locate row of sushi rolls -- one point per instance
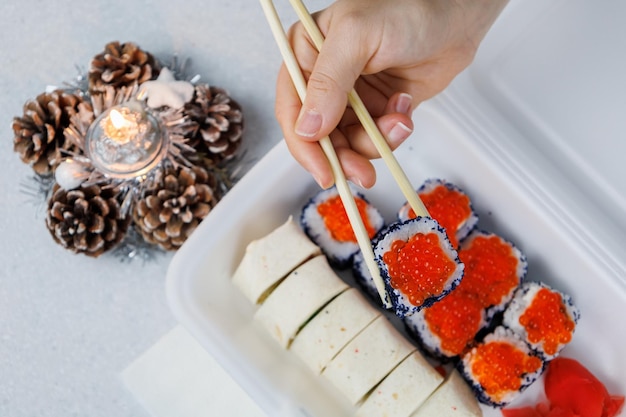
(470, 326)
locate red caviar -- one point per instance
(455, 320)
(336, 219)
(419, 267)
(500, 366)
(546, 320)
(449, 207)
(489, 264)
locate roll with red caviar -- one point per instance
(363, 277)
(448, 328)
(500, 367)
(417, 263)
(325, 221)
(449, 205)
(544, 317)
(494, 269)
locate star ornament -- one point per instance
(166, 91)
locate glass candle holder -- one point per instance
(125, 141)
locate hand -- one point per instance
(395, 53)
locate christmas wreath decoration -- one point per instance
(131, 150)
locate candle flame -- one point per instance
(118, 120)
(125, 141)
(120, 128)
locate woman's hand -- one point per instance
(395, 53)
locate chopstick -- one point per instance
(343, 188)
(366, 120)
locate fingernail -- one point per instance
(356, 181)
(319, 182)
(308, 123)
(398, 133)
(403, 105)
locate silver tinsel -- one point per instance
(37, 189)
(134, 248)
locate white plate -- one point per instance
(212, 309)
(510, 134)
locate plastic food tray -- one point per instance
(532, 131)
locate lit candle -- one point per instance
(121, 127)
(125, 141)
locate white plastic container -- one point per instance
(532, 131)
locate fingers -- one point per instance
(353, 145)
(312, 158)
(396, 128)
(356, 168)
(395, 124)
(400, 103)
(354, 154)
(309, 154)
(409, 46)
(331, 75)
(336, 68)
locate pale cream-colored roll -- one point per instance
(403, 390)
(367, 359)
(453, 398)
(298, 297)
(332, 328)
(269, 259)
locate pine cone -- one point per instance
(121, 65)
(86, 220)
(39, 136)
(174, 206)
(219, 122)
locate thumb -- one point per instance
(336, 69)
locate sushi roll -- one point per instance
(417, 263)
(325, 221)
(367, 359)
(321, 338)
(403, 390)
(447, 329)
(453, 398)
(363, 277)
(544, 317)
(297, 298)
(494, 269)
(500, 367)
(269, 259)
(447, 204)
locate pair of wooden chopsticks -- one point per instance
(369, 125)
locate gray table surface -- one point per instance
(70, 324)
